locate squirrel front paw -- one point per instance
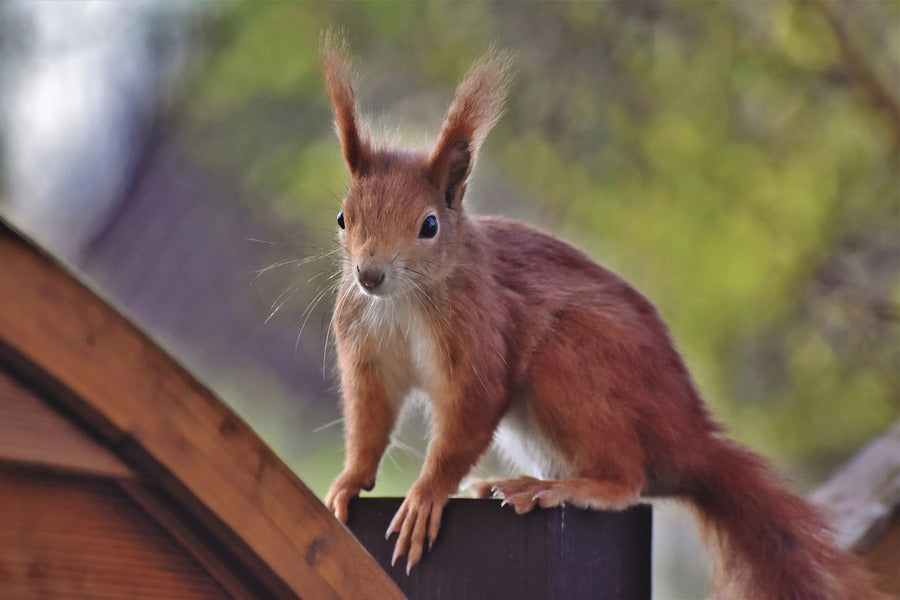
(418, 516)
(347, 486)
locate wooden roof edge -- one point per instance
(162, 420)
(863, 495)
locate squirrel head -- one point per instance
(400, 218)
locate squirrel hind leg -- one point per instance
(524, 493)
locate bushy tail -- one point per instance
(772, 545)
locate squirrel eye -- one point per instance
(429, 227)
(340, 219)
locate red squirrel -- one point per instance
(519, 338)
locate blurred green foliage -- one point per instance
(738, 162)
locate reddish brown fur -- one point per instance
(339, 83)
(507, 327)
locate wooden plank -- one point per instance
(488, 551)
(162, 419)
(210, 555)
(80, 537)
(861, 500)
(883, 557)
(861, 496)
(33, 433)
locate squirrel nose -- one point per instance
(370, 277)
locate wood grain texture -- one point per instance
(33, 433)
(488, 551)
(79, 537)
(160, 419)
(218, 561)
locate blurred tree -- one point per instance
(13, 37)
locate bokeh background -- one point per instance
(739, 162)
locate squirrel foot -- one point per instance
(524, 493)
(481, 488)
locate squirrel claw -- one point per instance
(525, 493)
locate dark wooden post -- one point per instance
(488, 551)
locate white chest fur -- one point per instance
(404, 342)
(520, 441)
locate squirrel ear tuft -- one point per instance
(478, 105)
(339, 83)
